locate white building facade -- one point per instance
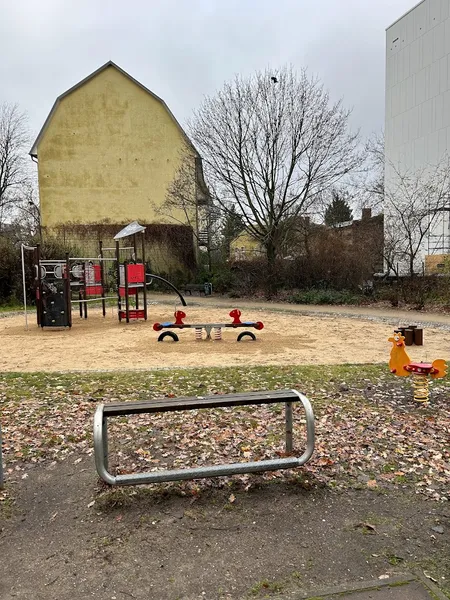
(417, 127)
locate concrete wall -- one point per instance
(417, 129)
(109, 153)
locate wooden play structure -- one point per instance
(207, 327)
(52, 291)
(131, 277)
(401, 365)
(121, 276)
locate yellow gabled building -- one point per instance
(108, 152)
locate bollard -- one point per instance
(418, 337)
(409, 337)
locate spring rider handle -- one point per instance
(179, 316)
(236, 313)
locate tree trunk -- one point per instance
(271, 280)
(411, 266)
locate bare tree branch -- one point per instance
(270, 148)
(14, 174)
(366, 186)
(413, 203)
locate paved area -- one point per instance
(350, 311)
(401, 588)
(411, 591)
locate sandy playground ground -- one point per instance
(287, 338)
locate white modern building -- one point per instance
(417, 128)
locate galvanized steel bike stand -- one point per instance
(101, 455)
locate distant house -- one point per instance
(108, 152)
(245, 247)
(364, 236)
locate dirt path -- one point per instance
(292, 335)
(365, 312)
(275, 539)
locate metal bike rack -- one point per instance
(103, 412)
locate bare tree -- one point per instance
(185, 193)
(27, 210)
(271, 143)
(374, 176)
(366, 186)
(189, 202)
(231, 227)
(14, 174)
(413, 204)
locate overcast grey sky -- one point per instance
(184, 49)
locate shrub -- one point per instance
(11, 287)
(10, 272)
(223, 280)
(325, 296)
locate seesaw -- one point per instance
(207, 327)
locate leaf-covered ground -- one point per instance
(369, 431)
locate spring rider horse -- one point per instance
(400, 364)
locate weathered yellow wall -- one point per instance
(169, 248)
(108, 154)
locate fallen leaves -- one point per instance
(382, 443)
(366, 527)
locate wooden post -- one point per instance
(67, 294)
(85, 291)
(127, 299)
(135, 247)
(37, 259)
(145, 276)
(136, 295)
(119, 303)
(102, 277)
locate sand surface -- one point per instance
(100, 343)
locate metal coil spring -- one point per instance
(198, 333)
(218, 333)
(420, 385)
